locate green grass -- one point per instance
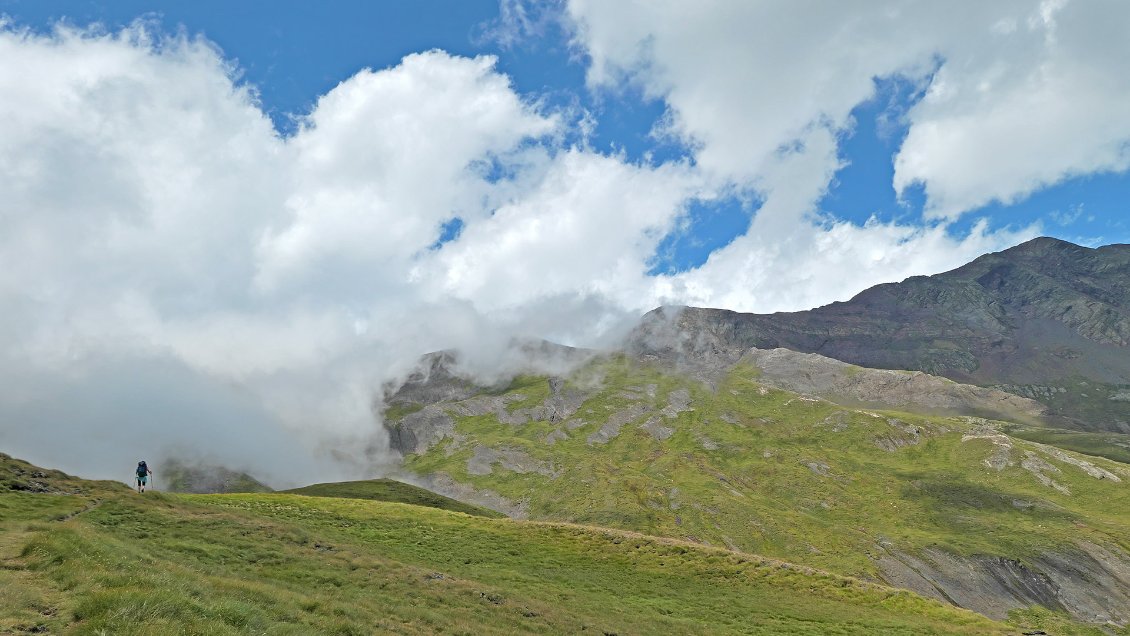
(769, 472)
(1114, 446)
(397, 411)
(290, 564)
(392, 490)
(1089, 401)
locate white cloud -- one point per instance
(589, 225)
(153, 219)
(1027, 93)
(1035, 106)
(159, 234)
(386, 157)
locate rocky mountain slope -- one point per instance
(1046, 320)
(751, 453)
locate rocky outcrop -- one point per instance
(654, 427)
(678, 401)
(1037, 459)
(434, 380)
(1088, 581)
(611, 427)
(483, 459)
(416, 432)
(419, 431)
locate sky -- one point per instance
(224, 227)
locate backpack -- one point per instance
(142, 469)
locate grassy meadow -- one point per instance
(98, 558)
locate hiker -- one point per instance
(143, 474)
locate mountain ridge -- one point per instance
(1048, 320)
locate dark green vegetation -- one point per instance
(394, 491)
(1113, 446)
(1047, 319)
(107, 560)
(761, 470)
(203, 478)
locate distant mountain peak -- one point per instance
(1042, 245)
(1046, 319)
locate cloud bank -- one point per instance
(178, 277)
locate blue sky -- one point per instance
(294, 52)
(283, 204)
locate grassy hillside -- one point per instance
(771, 472)
(106, 560)
(393, 491)
(1115, 446)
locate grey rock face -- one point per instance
(432, 382)
(611, 427)
(575, 424)
(562, 402)
(678, 401)
(419, 431)
(483, 459)
(818, 468)
(492, 405)
(1090, 582)
(656, 429)
(709, 444)
(558, 407)
(1041, 469)
(443, 484)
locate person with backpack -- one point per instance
(143, 474)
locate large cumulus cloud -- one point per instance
(179, 277)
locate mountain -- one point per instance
(796, 457)
(1046, 320)
(97, 558)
